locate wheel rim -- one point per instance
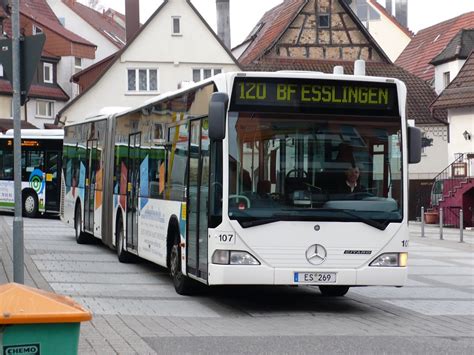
(78, 223)
(30, 204)
(174, 261)
(120, 240)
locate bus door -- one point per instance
(89, 193)
(133, 189)
(53, 175)
(197, 201)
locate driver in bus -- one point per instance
(351, 183)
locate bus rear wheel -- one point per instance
(182, 284)
(333, 291)
(30, 205)
(122, 255)
(81, 237)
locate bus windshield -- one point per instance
(315, 168)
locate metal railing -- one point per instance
(452, 178)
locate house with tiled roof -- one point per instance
(317, 35)
(429, 43)
(101, 28)
(458, 181)
(174, 47)
(387, 31)
(47, 94)
(451, 59)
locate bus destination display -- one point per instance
(327, 96)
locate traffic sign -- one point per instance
(31, 48)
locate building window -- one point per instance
(77, 64)
(44, 109)
(37, 30)
(142, 80)
(1, 71)
(176, 25)
(48, 73)
(204, 73)
(446, 79)
(323, 21)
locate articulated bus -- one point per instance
(41, 156)
(242, 180)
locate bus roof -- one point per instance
(37, 133)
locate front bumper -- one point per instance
(264, 275)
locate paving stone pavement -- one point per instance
(136, 310)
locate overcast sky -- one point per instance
(244, 14)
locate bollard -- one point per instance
(461, 226)
(441, 223)
(422, 222)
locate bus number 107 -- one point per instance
(225, 238)
(253, 91)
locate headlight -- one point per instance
(233, 257)
(391, 260)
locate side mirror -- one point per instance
(414, 145)
(217, 114)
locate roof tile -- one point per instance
(102, 22)
(270, 27)
(429, 42)
(460, 92)
(39, 91)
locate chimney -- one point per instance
(132, 17)
(223, 21)
(388, 6)
(401, 12)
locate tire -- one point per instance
(182, 284)
(122, 255)
(30, 205)
(81, 237)
(333, 291)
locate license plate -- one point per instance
(315, 277)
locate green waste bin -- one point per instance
(33, 321)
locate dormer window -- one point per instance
(37, 30)
(176, 20)
(48, 73)
(446, 79)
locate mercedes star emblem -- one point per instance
(316, 254)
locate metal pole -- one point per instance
(422, 221)
(441, 223)
(461, 226)
(18, 247)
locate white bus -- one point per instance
(242, 180)
(41, 151)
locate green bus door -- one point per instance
(89, 196)
(197, 201)
(133, 189)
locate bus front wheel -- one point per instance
(30, 205)
(333, 291)
(182, 284)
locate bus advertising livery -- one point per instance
(283, 178)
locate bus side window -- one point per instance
(6, 165)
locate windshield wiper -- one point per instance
(359, 218)
(258, 222)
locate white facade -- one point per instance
(174, 56)
(434, 158)
(461, 120)
(67, 68)
(74, 23)
(391, 38)
(452, 68)
(38, 118)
